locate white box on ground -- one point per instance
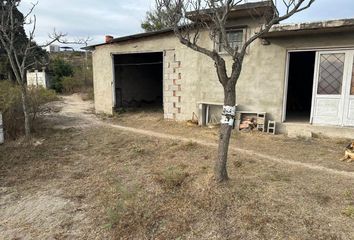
(1, 130)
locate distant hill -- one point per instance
(74, 58)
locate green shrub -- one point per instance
(71, 73)
(80, 81)
(72, 84)
(60, 69)
(11, 106)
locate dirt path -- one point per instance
(36, 202)
(72, 112)
(77, 113)
(257, 155)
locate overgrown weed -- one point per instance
(173, 177)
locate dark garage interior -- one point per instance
(138, 80)
(300, 86)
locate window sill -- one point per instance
(224, 54)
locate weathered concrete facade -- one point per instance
(190, 77)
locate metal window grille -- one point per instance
(331, 74)
(235, 38)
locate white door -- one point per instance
(348, 118)
(333, 102)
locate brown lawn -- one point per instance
(83, 179)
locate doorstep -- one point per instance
(294, 129)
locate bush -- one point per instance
(72, 84)
(39, 96)
(60, 69)
(80, 81)
(11, 106)
(69, 78)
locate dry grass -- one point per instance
(321, 151)
(173, 177)
(117, 185)
(349, 211)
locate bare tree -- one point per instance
(188, 18)
(21, 51)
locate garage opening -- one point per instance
(138, 80)
(300, 86)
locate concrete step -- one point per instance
(294, 132)
(307, 131)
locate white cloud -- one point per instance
(96, 18)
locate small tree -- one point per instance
(189, 18)
(155, 20)
(21, 50)
(60, 69)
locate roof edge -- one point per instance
(287, 28)
(130, 37)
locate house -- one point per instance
(299, 74)
(53, 48)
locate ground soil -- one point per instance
(136, 176)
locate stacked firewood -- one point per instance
(248, 122)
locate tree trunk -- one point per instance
(24, 98)
(220, 170)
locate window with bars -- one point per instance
(331, 74)
(235, 38)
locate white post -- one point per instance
(1, 130)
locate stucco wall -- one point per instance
(190, 77)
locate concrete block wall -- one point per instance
(172, 86)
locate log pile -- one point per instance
(248, 122)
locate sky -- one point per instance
(97, 18)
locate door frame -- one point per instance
(343, 94)
(286, 83)
(113, 82)
(287, 68)
(347, 94)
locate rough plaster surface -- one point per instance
(260, 87)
